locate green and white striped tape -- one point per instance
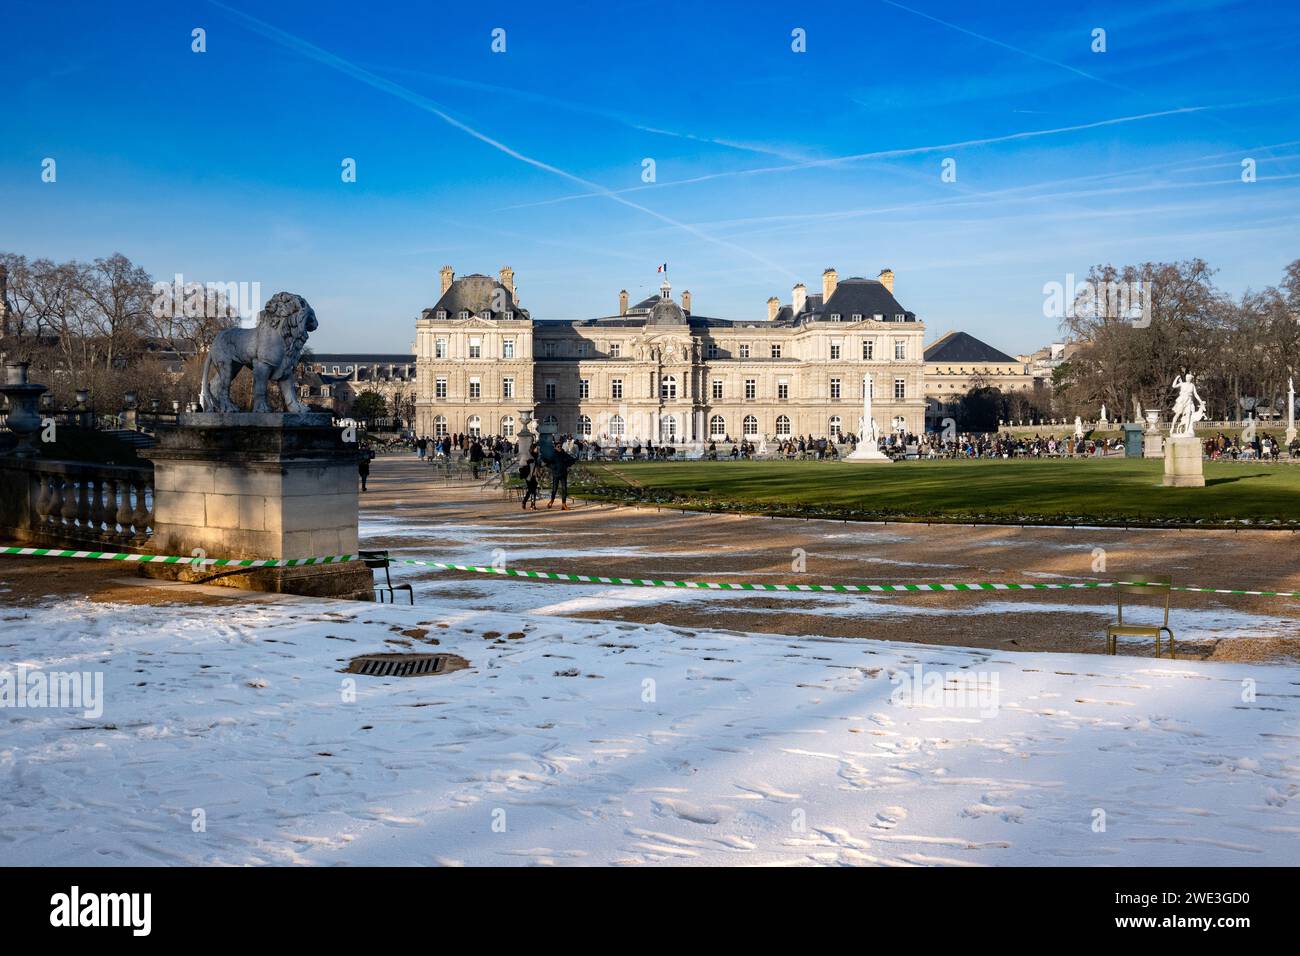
(982, 586)
(177, 559)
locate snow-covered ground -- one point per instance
(587, 742)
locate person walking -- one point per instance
(363, 464)
(560, 466)
(528, 472)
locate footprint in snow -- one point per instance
(889, 817)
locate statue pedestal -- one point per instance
(1153, 445)
(1183, 463)
(244, 485)
(868, 454)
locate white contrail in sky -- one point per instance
(887, 153)
(422, 102)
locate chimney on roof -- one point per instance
(773, 307)
(686, 301)
(447, 275)
(830, 278)
(507, 277)
(622, 301)
(886, 278)
(799, 298)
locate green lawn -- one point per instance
(1116, 491)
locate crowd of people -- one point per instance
(497, 454)
(1259, 447)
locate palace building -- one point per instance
(657, 370)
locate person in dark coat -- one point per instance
(476, 457)
(363, 464)
(560, 462)
(528, 472)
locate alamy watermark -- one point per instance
(1127, 301)
(962, 689)
(77, 690)
(205, 300)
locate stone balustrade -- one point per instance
(79, 504)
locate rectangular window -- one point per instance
(751, 389)
(713, 350)
(582, 349)
(744, 351)
(616, 388)
(507, 388)
(507, 348)
(835, 351)
(717, 389)
(900, 389)
(475, 347)
(440, 349)
(835, 388)
(614, 349)
(440, 388)
(776, 350)
(584, 388)
(548, 349)
(900, 349)
(868, 349)
(783, 390)
(550, 391)
(475, 388)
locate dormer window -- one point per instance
(463, 314)
(485, 314)
(442, 313)
(835, 316)
(857, 316)
(898, 317)
(509, 315)
(878, 317)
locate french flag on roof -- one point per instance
(663, 268)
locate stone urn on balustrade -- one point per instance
(23, 420)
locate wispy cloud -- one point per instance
(880, 154)
(586, 109)
(422, 102)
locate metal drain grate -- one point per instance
(398, 665)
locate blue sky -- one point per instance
(770, 165)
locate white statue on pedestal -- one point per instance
(1189, 408)
(1078, 427)
(868, 434)
(1290, 410)
(1103, 414)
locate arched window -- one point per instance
(508, 426)
(584, 425)
(717, 426)
(475, 426)
(668, 387)
(751, 426)
(440, 426)
(782, 425)
(668, 428)
(550, 421)
(837, 426)
(616, 426)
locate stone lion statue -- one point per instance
(271, 350)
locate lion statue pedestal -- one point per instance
(259, 484)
